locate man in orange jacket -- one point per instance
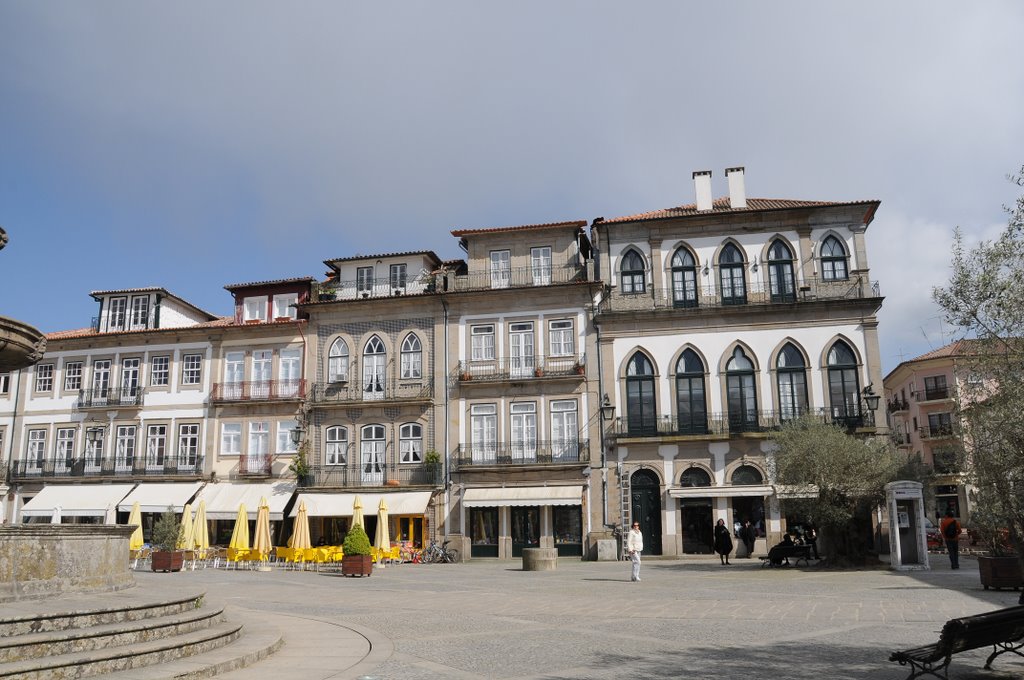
(950, 530)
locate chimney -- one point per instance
(702, 184)
(737, 192)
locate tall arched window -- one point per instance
(747, 475)
(336, 452)
(833, 260)
(412, 357)
(843, 385)
(640, 402)
(684, 279)
(695, 476)
(632, 277)
(742, 393)
(691, 405)
(371, 454)
(780, 272)
(730, 276)
(337, 361)
(411, 442)
(791, 375)
(374, 369)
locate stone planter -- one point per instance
(356, 565)
(165, 560)
(1000, 572)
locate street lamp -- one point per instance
(94, 435)
(607, 408)
(297, 434)
(870, 398)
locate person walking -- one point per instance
(950, 530)
(634, 546)
(723, 541)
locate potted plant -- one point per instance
(300, 466)
(465, 375)
(538, 372)
(166, 532)
(432, 462)
(357, 560)
(580, 368)
(999, 566)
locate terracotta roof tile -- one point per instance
(92, 332)
(526, 227)
(958, 348)
(431, 253)
(300, 279)
(721, 205)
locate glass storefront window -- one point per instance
(483, 531)
(748, 507)
(568, 521)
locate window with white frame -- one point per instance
(160, 372)
(833, 260)
(44, 378)
(501, 268)
(124, 456)
(100, 378)
(73, 376)
(540, 265)
(285, 444)
(262, 365)
(254, 308)
(564, 430)
(231, 439)
(364, 279)
(131, 370)
(192, 369)
(561, 342)
(398, 276)
(524, 431)
(36, 453)
(188, 445)
(65, 452)
(372, 444)
(289, 372)
(259, 438)
(140, 311)
(234, 375)
(118, 314)
(482, 341)
(283, 305)
(94, 449)
(156, 446)
(5, 383)
(337, 445)
(483, 432)
(412, 357)
(337, 361)
(411, 443)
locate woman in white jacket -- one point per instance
(634, 546)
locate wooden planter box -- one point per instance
(167, 560)
(1000, 572)
(356, 565)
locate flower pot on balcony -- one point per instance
(392, 482)
(1000, 572)
(167, 560)
(580, 369)
(356, 565)
(465, 375)
(538, 372)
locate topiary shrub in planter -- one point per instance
(357, 560)
(166, 532)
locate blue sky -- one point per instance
(191, 145)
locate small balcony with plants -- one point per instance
(373, 475)
(518, 369)
(525, 454)
(342, 392)
(109, 397)
(119, 467)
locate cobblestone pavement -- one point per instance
(688, 618)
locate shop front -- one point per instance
(75, 504)
(503, 521)
(330, 515)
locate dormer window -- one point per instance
(398, 277)
(254, 309)
(118, 314)
(283, 305)
(140, 311)
(364, 280)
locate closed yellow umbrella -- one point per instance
(357, 511)
(261, 540)
(135, 519)
(185, 536)
(383, 531)
(200, 530)
(300, 535)
(240, 534)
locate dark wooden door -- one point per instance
(646, 508)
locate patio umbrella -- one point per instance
(383, 533)
(55, 518)
(135, 519)
(357, 511)
(200, 529)
(185, 535)
(240, 534)
(261, 540)
(300, 534)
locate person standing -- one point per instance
(723, 541)
(811, 538)
(950, 530)
(634, 546)
(747, 536)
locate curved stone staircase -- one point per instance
(129, 636)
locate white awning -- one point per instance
(759, 490)
(340, 504)
(223, 499)
(159, 497)
(522, 495)
(796, 491)
(77, 500)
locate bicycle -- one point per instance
(439, 554)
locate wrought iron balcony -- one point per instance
(373, 475)
(941, 432)
(384, 287)
(522, 453)
(128, 467)
(753, 293)
(934, 394)
(521, 368)
(255, 465)
(258, 390)
(717, 425)
(519, 277)
(359, 391)
(897, 405)
(900, 439)
(109, 397)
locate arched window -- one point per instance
(843, 386)
(337, 361)
(412, 357)
(746, 475)
(791, 375)
(374, 369)
(632, 276)
(411, 443)
(640, 402)
(833, 260)
(780, 272)
(371, 454)
(742, 393)
(695, 477)
(684, 279)
(336, 452)
(691, 405)
(730, 276)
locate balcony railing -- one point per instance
(255, 465)
(357, 391)
(934, 394)
(897, 405)
(522, 453)
(942, 432)
(900, 438)
(258, 390)
(337, 291)
(724, 424)
(520, 368)
(519, 277)
(754, 293)
(373, 475)
(189, 466)
(109, 398)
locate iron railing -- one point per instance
(724, 424)
(381, 287)
(519, 277)
(188, 466)
(897, 405)
(941, 432)
(372, 475)
(491, 370)
(900, 438)
(109, 397)
(258, 390)
(933, 394)
(255, 465)
(522, 453)
(357, 391)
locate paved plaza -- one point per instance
(688, 618)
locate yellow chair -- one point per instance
(395, 554)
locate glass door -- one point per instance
(100, 382)
(261, 374)
(372, 453)
(129, 380)
(521, 350)
(374, 363)
(524, 432)
(525, 529)
(234, 374)
(501, 268)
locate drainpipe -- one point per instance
(447, 460)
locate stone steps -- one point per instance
(42, 617)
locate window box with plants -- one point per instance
(357, 560)
(166, 532)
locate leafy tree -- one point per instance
(841, 478)
(985, 299)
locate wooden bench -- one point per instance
(1003, 629)
(780, 555)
